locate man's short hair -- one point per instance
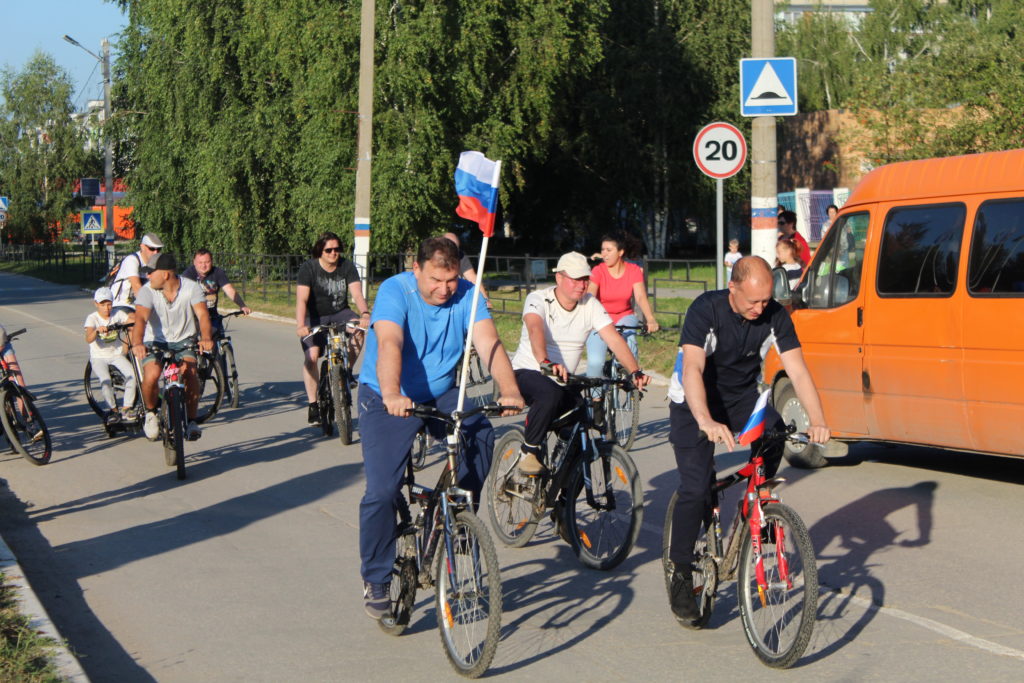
(440, 251)
(788, 216)
(749, 266)
(202, 251)
(318, 248)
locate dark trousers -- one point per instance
(547, 400)
(695, 462)
(386, 441)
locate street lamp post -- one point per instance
(108, 145)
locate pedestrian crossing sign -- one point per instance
(92, 222)
(768, 87)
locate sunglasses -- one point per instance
(332, 250)
(155, 248)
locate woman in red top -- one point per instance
(617, 283)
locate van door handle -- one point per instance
(860, 316)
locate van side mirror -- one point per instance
(780, 286)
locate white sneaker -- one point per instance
(151, 427)
(193, 432)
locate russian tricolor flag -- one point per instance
(476, 183)
(755, 425)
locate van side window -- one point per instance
(833, 278)
(921, 250)
(995, 266)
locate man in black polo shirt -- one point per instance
(725, 336)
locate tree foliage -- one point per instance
(41, 149)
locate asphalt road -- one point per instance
(248, 570)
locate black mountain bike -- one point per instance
(334, 389)
(131, 420)
(173, 411)
(768, 551)
(226, 359)
(445, 545)
(590, 485)
(23, 424)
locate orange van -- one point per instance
(911, 313)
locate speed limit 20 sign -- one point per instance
(720, 150)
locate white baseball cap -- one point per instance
(573, 264)
(152, 241)
(103, 294)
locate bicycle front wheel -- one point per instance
(174, 430)
(230, 373)
(623, 414)
(604, 508)
(324, 402)
(705, 569)
(24, 425)
(510, 494)
(778, 620)
(211, 388)
(342, 400)
(468, 595)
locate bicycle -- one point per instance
(590, 485)
(210, 375)
(447, 546)
(173, 410)
(130, 420)
(770, 554)
(621, 406)
(226, 356)
(24, 427)
(334, 389)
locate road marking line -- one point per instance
(18, 311)
(932, 625)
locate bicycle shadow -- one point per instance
(846, 542)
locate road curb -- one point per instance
(39, 621)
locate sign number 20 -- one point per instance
(720, 150)
(729, 149)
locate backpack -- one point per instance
(111, 278)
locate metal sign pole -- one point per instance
(720, 235)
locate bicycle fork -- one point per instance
(755, 509)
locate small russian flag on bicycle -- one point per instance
(476, 183)
(754, 428)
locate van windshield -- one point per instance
(834, 276)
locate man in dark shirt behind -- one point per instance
(725, 336)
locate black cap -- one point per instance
(160, 262)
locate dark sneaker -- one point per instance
(377, 599)
(112, 418)
(313, 414)
(599, 414)
(684, 606)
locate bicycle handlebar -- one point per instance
(12, 335)
(492, 409)
(584, 382)
(348, 327)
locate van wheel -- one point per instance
(789, 407)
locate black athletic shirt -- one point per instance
(734, 345)
(328, 292)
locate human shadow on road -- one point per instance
(848, 542)
(100, 654)
(650, 434)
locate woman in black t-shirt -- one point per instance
(321, 296)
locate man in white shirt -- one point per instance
(130, 277)
(166, 311)
(556, 323)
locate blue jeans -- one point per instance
(596, 348)
(386, 441)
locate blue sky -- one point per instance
(30, 25)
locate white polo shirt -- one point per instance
(565, 332)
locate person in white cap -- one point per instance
(556, 323)
(130, 276)
(105, 349)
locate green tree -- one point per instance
(42, 150)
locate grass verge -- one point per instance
(24, 654)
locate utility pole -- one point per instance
(108, 155)
(364, 144)
(763, 172)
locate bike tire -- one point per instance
(419, 451)
(211, 388)
(404, 575)
(174, 430)
(25, 429)
(603, 538)
(93, 393)
(323, 399)
(342, 400)
(230, 373)
(511, 496)
(705, 570)
(779, 628)
(468, 595)
(622, 409)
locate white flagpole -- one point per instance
(476, 301)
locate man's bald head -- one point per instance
(751, 267)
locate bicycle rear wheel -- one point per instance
(404, 577)
(510, 495)
(705, 570)
(468, 595)
(93, 393)
(778, 621)
(211, 387)
(623, 413)
(603, 523)
(230, 373)
(342, 400)
(24, 425)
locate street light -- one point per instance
(108, 154)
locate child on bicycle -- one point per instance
(105, 349)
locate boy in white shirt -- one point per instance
(105, 349)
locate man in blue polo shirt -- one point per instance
(419, 326)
